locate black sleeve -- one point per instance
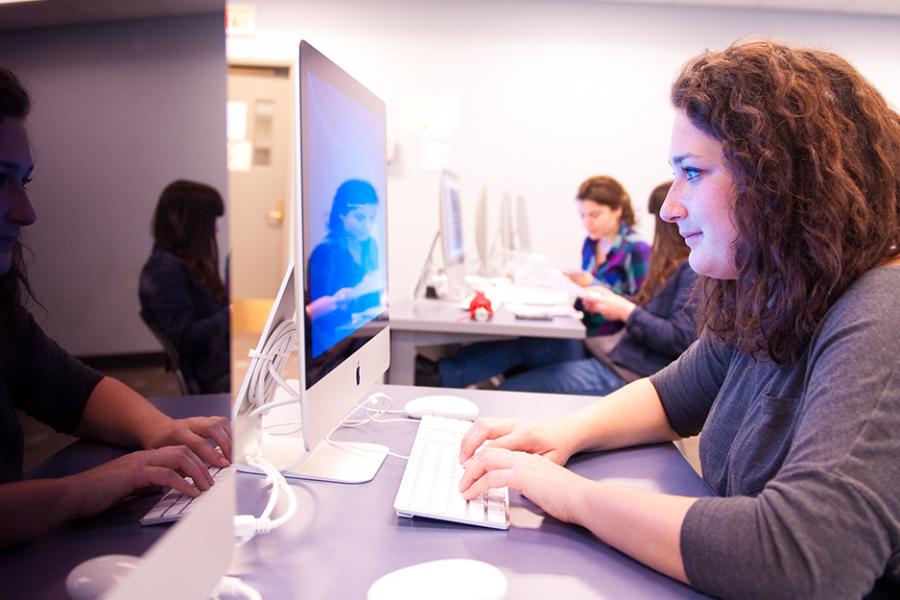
(46, 382)
(166, 296)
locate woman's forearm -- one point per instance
(645, 525)
(117, 414)
(629, 416)
(31, 508)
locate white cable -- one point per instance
(232, 586)
(372, 412)
(266, 365)
(246, 526)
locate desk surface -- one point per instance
(447, 317)
(38, 569)
(344, 537)
(435, 323)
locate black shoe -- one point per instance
(427, 372)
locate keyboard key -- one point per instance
(174, 504)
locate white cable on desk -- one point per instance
(246, 526)
(372, 412)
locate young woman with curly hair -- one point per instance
(787, 166)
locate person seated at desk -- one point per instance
(40, 378)
(787, 191)
(612, 256)
(182, 296)
(659, 324)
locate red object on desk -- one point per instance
(480, 308)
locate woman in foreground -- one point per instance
(787, 165)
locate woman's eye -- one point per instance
(26, 180)
(691, 174)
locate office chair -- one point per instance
(187, 384)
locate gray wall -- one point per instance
(120, 110)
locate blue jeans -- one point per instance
(586, 376)
(481, 361)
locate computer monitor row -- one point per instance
(513, 233)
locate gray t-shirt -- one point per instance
(806, 458)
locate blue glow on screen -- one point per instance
(345, 229)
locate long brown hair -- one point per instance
(814, 151)
(184, 224)
(605, 190)
(14, 286)
(669, 250)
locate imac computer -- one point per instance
(338, 282)
(450, 282)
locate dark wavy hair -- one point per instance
(185, 224)
(669, 250)
(14, 286)
(814, 151)
(605, 190)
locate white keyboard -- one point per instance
(174, 504)
(430, 484)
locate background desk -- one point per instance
(430, 323)
(344, 537)
(38, 569)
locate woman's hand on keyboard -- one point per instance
(544, 438)
(193, 432)
(544, 482)
(99, 488)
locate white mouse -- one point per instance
(453, 407)
(452, 578)
(96, 576)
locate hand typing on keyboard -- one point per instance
(103, 486)
(193, 433)
(430, 483)
(527, 457)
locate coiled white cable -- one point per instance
(266, 367)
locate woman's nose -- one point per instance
(21, 211)
(672, 209)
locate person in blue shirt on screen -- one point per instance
(40, 378)
(345, 281)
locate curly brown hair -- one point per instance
(669, 250)
(814, 151)
(605, 190)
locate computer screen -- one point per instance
(481, 233)
(451, 220)
(451, 234)
(340, 255)
(522, 238)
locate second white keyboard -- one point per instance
(430, 484)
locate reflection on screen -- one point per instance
(345, 228)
